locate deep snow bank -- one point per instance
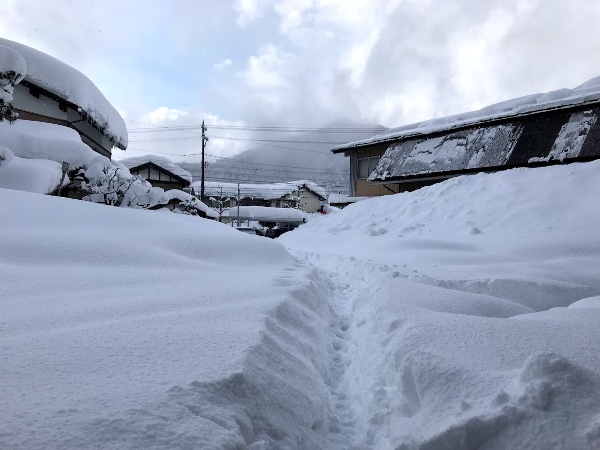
(456, 297)
(125, 328)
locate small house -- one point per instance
(159, 171)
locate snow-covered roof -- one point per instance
(160, 161)
(266, 214)
(341, 198)
(265, 191)
(190, 199)
(68, 83)
(494, 146)
(40, 140)
(588, 92)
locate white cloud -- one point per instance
(249, 10)
(223, 64)
(163, 114)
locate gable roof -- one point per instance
(159, 162)
(57, 79)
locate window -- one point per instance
(154, 174)
(366, 166)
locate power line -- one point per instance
(235, 161)
(284, 141)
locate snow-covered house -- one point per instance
(56, 93)
(159, 171)
(302, 194)
(537, 130)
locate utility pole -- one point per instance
(238, 205)
(204, 141)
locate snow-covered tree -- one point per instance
(112, 185)
(12, 70)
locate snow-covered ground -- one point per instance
(463, 315)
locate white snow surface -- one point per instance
(265, 191)
(588, 92)
(40, 176)
(189, 200)
(457, 331)
(463, 315)
(40, 140)
(161, 161)
(63, 80)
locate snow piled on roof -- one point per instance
(11, 61)
(342, 198)
(588, 92)
(266, 214)
(63, 80)
(265, 191)
(161, 161)
(453, 300)
(40, 140)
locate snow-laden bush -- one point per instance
(6, 156)
(12, 70)
(113, 185)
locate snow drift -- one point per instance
(456, 302)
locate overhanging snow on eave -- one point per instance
(85, 116)
(346, 148)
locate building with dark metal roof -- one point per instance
(537, 130)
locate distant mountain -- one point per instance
(303, 156)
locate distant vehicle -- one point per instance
(248, 230)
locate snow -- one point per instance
(265, 191)
(125, 328)
(40, 140)
(341, 198)
(470, 311)
(160, 161)
(588, 92)
(10, 61)
(63, 80)
(32, 175)
(266, 214)
(188, 200)
(462, 315)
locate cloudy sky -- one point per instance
(308, 63)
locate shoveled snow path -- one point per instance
(346, 280)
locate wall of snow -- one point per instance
(39, 140)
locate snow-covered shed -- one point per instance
(537, 130)
(306, 195)
(159, 171)
(55, 92)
